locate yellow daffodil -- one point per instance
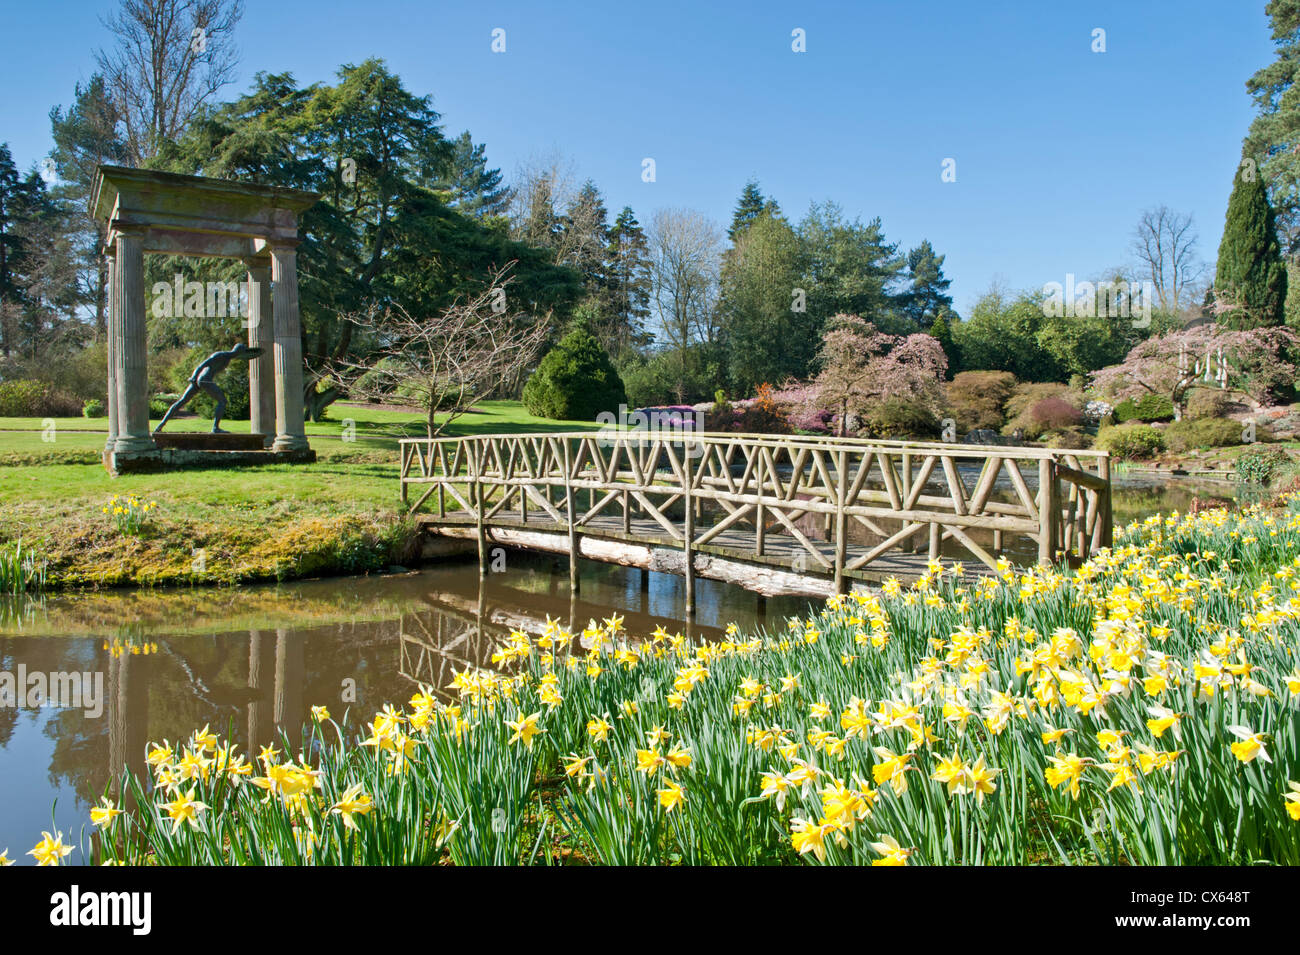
(893, 853)
(353, 802)
(671, 796)
(104, 814)
(184, 808)
(50, 850)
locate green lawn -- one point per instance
(341, 514)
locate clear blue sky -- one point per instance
(1058, 149)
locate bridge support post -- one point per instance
(568, 516)
(841, 520)
(480, 526)
(1103, 506)
(1047, 510)
(689, 533)
(908, 546)
(935, 537)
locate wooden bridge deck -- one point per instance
(778, 515)
(781, 551)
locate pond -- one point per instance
(141, 666)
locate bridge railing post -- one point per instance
(1048, 510)
(1104, 514)
(480, 524)
(406, 450)
(568, 517)
(689, 533)
(841, 520)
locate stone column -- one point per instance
(289, 432)
(114, 316)
(130, 349)
(261, 334)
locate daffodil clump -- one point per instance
(1143, 709)
(128, 513)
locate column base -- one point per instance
(290, 442)
(177, 459)
(133, 444)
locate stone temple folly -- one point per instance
(168, 214)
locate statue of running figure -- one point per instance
(203, 379)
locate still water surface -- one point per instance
(245, 661)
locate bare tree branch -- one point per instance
(1165, 243)
(171, 58)
(446, 362)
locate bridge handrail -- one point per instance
(954, 448)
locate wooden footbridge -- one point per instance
(775, 514)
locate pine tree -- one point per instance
(628, 271)
(849, 267)
(750, 206)
(586, 239)
(473, 188)
(19, 201)
(927, 296)
(1250, 280)
(1271, 144)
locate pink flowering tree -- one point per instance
(1254, 363)
(861, 365)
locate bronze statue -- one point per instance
(203, 379)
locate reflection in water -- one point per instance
(248, 662)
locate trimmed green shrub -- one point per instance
(1203, 433)
(576, 381)
(94, 408)
(27, 398)
(900, 418)
(1261, 465)
(1131, 441)
(1147, 408)
(1207, 403)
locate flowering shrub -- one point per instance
(1096, 410)
(1254, 362)
(762, 414)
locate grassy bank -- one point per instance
(341, 515)
(1140, 711)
